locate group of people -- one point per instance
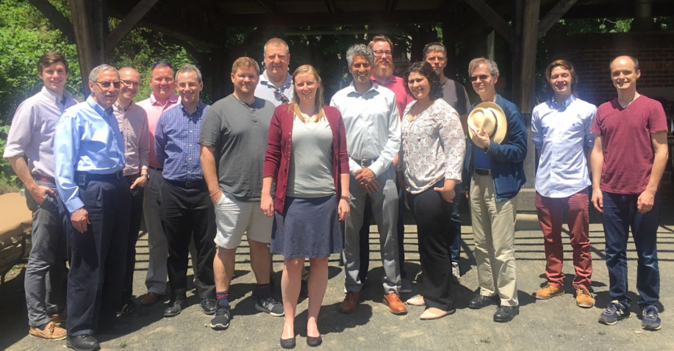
(303, 179)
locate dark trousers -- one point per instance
(134, 227)
(187, 212)
(620, 213)
(433, 216)
(455, 224)
(365, 238)
(98, 256)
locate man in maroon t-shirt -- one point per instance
(628, 159)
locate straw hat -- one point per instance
(489, 116)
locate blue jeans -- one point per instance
(455, 224)
(620, 212)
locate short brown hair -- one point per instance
(567, 66)
(377, 38)
(50, 58)
(245, 62)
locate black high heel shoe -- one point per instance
(288, 343)
(314, 341)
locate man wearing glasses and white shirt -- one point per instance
(276, 85)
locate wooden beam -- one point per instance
(128, 23)
(529, 40)
(340, 18)
(553, 16)
(84, 37)
(330, 4)
(56, 18)
(268, 5)
(494, 19)
(391, 5)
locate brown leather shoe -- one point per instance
(50, 332)
(584, 298)
(59, 317)
(149, 299)
(350, 301)
(548, 292)
(393, 302)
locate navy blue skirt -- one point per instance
(309, 228)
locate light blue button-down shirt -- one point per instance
(562, 133)
(87, 139)
(372, 125)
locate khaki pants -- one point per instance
(494, 234)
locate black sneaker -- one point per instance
(651, 318)
(506, 313)
(614, 312)
(221, 318)
(271, 306)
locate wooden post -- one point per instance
(89, 56)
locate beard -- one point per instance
(383, 71)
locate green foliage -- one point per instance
(596, 25)
(8, 180)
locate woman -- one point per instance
(431, 157)
(307, 157)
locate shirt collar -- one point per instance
(98, 108)
(372, 87)
(264, 80)
(118, 107)
(197, 112)
(53, 96)
(565, 103)
(171, 100)
(389, 80)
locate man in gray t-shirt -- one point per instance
(233, 140)
(455, 95)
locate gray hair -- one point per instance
(93, 75)
(188, 67)
(276, 42)
(359, 50)
(435, 47)
(491, 65)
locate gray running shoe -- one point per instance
(221, 317)
(271, 306)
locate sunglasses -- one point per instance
(162, 63)
(105, 85)
(280, 97)
(482, 78)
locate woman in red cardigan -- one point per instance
(307, 157)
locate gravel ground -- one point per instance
(555, 324)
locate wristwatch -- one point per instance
(147, 176)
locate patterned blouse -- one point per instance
(433, 146)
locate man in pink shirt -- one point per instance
(162, 98)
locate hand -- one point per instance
(598, 200)
(467, 197)
(140, 181)
(343, 209)
(267, 205)
(447, 193)
(407, 204)
(367, 179)
(645, 201)
(216, 197)
(481, 137)
(39, 193)
(80, 218)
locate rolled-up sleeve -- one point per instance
(66, 151)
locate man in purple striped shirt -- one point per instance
(32, 135)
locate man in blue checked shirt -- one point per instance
(561, 134)
(89, 159)
(185, 206)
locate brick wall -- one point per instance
(591, 54)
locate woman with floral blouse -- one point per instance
(431, 157)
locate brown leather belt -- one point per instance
(45, 179)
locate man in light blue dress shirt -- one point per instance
(89, 158)
(560, 130)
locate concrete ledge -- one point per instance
(15, 227)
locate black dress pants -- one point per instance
(433, 216)
(187, 212)
(98, 256)
(134, 227)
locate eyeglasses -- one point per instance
(130, 84)
(162, 63)
(482, 78)
(382, 53)
(105, 85)
(280, 97)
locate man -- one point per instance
(561, 134)
(382, 74)
(132, 121)
(162, 99)
(275, 85)
(372, 125)
(89, 157)
(32, 135)
(498, 174)
(185, 208)
(631, 130)
(235, 133)
(455, 95)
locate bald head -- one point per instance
(130, 79)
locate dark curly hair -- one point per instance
(425, 69)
